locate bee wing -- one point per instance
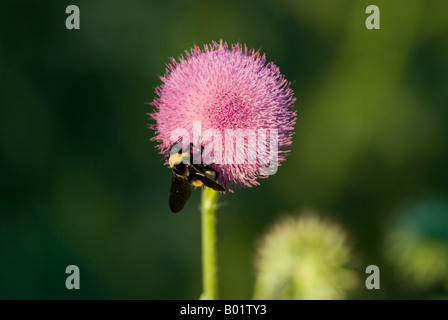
(210, 183)
(180, 192)
(207, 181)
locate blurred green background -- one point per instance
(82, 184)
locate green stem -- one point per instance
(209, 268)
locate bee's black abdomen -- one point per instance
(180, 168)
(180, 192)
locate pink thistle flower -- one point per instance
(224, 89)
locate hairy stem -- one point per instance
(209, 268)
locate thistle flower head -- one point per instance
(304, 257)
(417, 243)
(230, 100)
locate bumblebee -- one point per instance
(185, 175)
